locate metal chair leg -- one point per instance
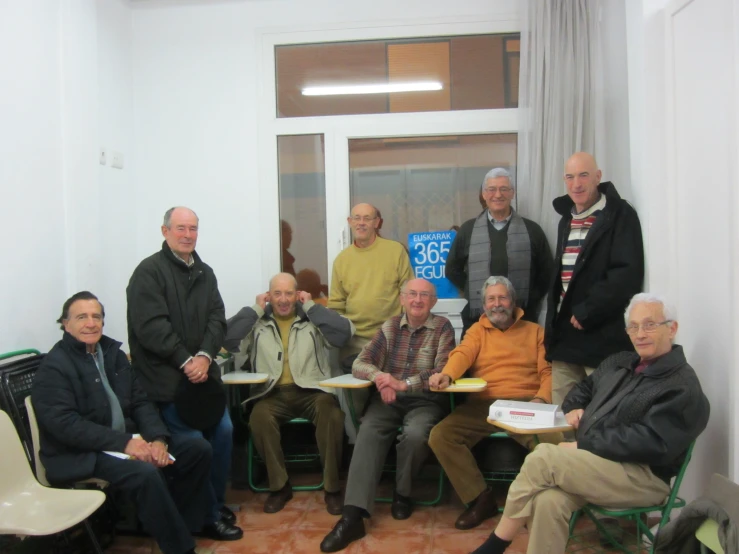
(93, 539)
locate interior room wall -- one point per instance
(682, 62)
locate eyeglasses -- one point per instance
(649, 326)
(494, 190)
(365, 219)
(412, 294)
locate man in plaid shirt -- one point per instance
(401, 357)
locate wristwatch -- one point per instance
(408, 383)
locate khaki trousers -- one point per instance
(565, 376)
(280, 406)
(453, 438)
(555, 481)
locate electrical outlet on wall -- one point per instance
(103, 157)
(116, 160)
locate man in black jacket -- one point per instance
(176, 326)
(599, 264)
(91, 411)
(500, 242)
(635, 416)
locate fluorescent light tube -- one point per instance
(418, 86)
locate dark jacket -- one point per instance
(608, 272)
(650, 418)
(719, 503)
(541, 266)
(73, 410)
(174, 312)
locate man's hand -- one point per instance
(573, 418)
(196, 369)
(139, 449)
(160, 456)
(439, 381)
(383, 380)
(388, 395)
(303, 296)
(262, 300)
(576, 323)
(538, 401)
(568, 445)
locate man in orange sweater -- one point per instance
(508, 353)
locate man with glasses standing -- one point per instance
(366, 278)
(500, 242)
(599, 266)
(400, 359)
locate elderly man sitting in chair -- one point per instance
(89, 405)
(635, 416)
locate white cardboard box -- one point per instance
(511, 411)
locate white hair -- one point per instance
(650, 298)
(499, 280)
(495, 173)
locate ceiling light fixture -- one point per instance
(419, 86)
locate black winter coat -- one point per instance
(174, 312)
(608, 272)
(73, 410)
(650, 418)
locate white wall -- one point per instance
(682, 85)
(70, 63)
(34, 274)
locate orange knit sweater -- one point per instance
(511, 361)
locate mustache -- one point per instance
(499, 310)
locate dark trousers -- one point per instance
(172, 502)
(280, 406)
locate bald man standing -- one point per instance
(599, 267)
(366, 278)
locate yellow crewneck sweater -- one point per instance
(365, 284)
(284, 324)
(511, 361)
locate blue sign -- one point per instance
(428, 258)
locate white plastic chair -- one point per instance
(30, 509)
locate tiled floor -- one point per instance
(301, 526)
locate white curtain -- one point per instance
(560, 100)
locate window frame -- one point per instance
(339, 129)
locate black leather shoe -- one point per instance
(227, 515)
(277, 499)
(343, 534)
(482, 508)
(402, 506)
(221, 531)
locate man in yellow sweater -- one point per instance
(508, 353)
(366, 278)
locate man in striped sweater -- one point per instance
(599, 266)
(402, 356)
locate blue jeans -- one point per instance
(220, 437)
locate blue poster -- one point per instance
(428, 258)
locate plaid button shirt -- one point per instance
(406, 353)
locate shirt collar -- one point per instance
(491, 219)
(430, 322)
(188, 264)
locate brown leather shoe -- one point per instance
(482, 508)
(277, 499)
(334, 502)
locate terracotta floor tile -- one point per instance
(421, 520)
(308, 541)
(395, 542)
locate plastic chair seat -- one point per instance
(32, 509)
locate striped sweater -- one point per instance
(579, 228)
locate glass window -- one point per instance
(403, 75)
(426, 183)
(302, 189)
